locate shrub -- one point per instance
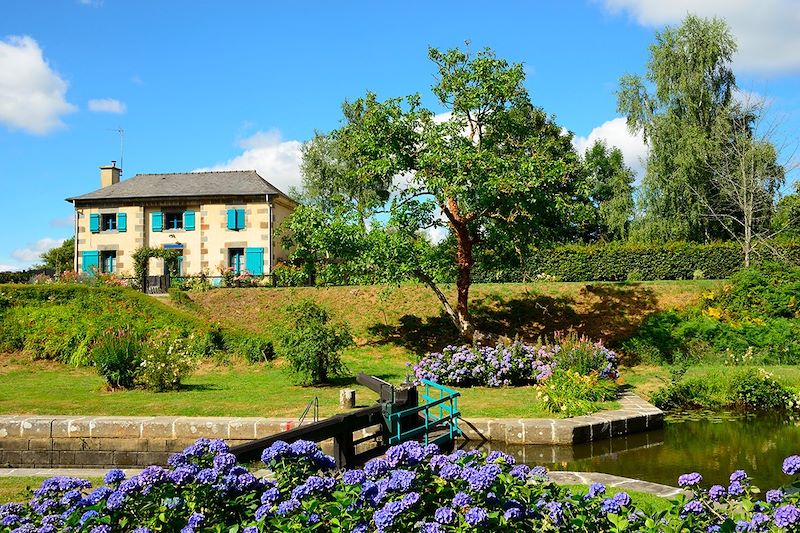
(289, 276)
(414, 488)
(689, 393)
(756, 389)
(166, 362)
(570, 393)
(255, 349)
(515, 364)
(754, 318)
(312, 343)
(117, 357)
(579, 353)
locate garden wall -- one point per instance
(69, 441)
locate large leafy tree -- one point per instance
(492, 159)
(59, 258)
(611, 192)
(677, 105)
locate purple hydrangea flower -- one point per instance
(774, 496)
(476, 516)
(690, 480)
(114, 476)
(354, 477)
(716, 492)
(735, 489)
(739, 475)
(786, 516)
(693, 507)
(622, 499)
(791, 465)
(461, 499)
(595, 490)
(444, 515)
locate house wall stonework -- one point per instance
(205, 249)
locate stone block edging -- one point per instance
(634, 415)
(65, 441)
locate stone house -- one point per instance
(214, 219)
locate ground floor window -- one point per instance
(108, 262)
(236, 259)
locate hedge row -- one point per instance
(618, 262)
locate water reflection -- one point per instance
(714, 444)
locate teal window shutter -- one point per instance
(94, 223)
(231, 218)
(240, 219)
(90, 261)
(254, 261)
(188, 220)
(158, 221)
(122, 222)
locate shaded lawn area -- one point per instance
(47, 388)
(649, 503)
(18, 489)
(411, 316)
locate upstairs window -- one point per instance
(236, 219)
(173, 220)
(108, 221)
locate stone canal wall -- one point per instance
(67, 441)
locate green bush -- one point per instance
(581, 354)
(255, 349)
(689, 393)
(117, 357)
(312, 344)
(571, 394)
(166, 362)
(756, 389)
(753, 319)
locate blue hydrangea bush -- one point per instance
(412, 488)
(517, 363)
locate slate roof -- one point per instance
(185, 184)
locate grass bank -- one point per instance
(43, 387)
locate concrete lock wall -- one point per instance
(50, 441)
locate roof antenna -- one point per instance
(121, 133)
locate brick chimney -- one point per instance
(109, 175)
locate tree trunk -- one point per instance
(464, 262)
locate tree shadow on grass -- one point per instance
(527, 317)
(199, 387)
(608, 312)
(616, 311)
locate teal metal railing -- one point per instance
(438, 412)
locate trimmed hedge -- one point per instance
(618, 262)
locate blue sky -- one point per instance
(201, 84)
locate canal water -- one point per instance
(714, 444)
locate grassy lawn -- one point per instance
(411, 316)
(649, 503)
(392, 326)
(17, 489)
(38, 387)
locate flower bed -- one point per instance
(517, 363)
(413, 488)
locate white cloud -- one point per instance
(32, 252)
(766, 30)
(106, 105)
(276, 160)
(63, 222)
(32, 95)
(615, 133)
(9, 268)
